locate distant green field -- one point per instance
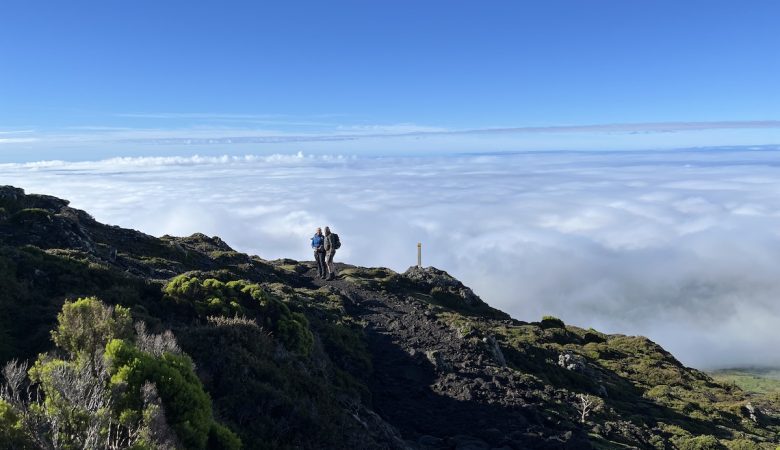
(761, 381)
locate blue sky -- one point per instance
(673, 108)
(83, 79)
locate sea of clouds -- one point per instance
(681, 246)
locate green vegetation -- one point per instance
(212, 296)
(30, 216)
(37, 283)
(552, 322)
(86, 325)
(12, 433)
(636, 379)
(115, 389)
(759, 381)
(258, 342)
(187, 406)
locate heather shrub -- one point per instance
(742, 444)
(221, 438)
(87, 325)
(552, 322)
(292, 404)
(214, 297)
(187, 406)
(12, 433)
(291, 328)
(704, 442)
(30, 215)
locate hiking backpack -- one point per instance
(335, 241)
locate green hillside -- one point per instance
(186, 343)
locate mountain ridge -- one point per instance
(403, 360)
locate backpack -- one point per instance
(335, 241)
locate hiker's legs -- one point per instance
(320, 258)
(331, 266)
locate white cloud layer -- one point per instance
(681, 246)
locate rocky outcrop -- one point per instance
(440, 282)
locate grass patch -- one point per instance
(756, 380)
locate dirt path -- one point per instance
(439, 389)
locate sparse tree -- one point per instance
(155, 344)
(586, 404)
(15, 374)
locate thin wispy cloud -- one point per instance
(680, 246)
(650, 127)
(194, 115)
(10, 137)
(346, 132)
(205, 134)
(206, 116)
(17, 140)
(392, 129)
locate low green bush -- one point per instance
(742, 444)
(552, 322)
(30, 215)
(86, 325)
(12, 435)
(704, 442)
(239, 297)
(187, 406)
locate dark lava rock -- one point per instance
(435, 278)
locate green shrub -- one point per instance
(704, 442)
(445, 297)
(552, 322)
(87, 325)
(221, 438)
(291, 328)
(593, 336)
(209, 296)
(212, 296)
(12, 434)
(294, 404)
(742, 444)
(30, 215)
(187, 406)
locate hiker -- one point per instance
(332, 243)
(318, 245)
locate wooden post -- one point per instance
(419, 254)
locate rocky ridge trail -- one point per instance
(443, 390)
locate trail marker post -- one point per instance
(419, 254)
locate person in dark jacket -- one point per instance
(318, 245)
(330, 250)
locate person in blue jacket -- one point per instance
(318, 245)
